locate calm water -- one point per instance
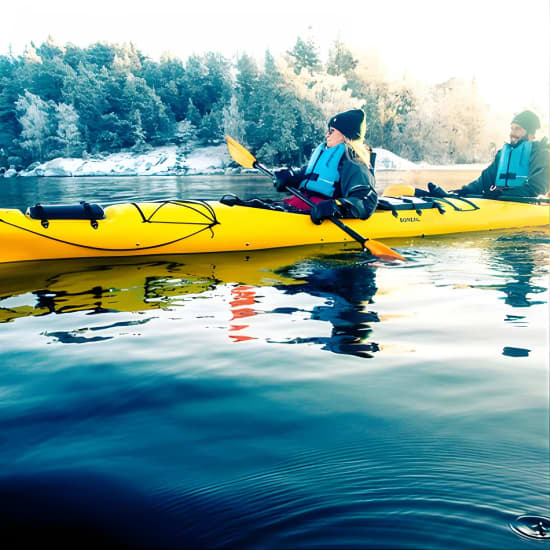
(302, 398)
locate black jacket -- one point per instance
(536, 183)
(357, 185)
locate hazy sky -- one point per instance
(503, 43)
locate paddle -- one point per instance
(245, 158)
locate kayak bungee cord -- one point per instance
(212, 221)
(185, 204)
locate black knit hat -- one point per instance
(351, 123)
(528, 120)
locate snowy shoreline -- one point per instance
(170, 161)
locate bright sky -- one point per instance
(505, 44)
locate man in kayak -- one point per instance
(520, 168)
(339, 177)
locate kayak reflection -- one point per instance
(136, 284)
(336, 281)
(126, 284)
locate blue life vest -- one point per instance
(322, 172)
(513, 167)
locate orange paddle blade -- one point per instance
(383, 252)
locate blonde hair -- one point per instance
(359, 151)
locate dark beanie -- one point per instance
(351, 123)
(528, 120)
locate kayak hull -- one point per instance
(190, 227)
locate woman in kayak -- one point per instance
(339, 177)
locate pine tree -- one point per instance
(193, 115)
(9, 93)
(50, 49)
(100, 54)
(246, 80)
(208, 81)
(167, 79)
(340, 60)
(211, 128)
(304, 55)
(86, 91)
(270, 66)
(185, 135)
(138, 133)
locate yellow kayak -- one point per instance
(189, 227)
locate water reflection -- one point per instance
(525, 260)
(243, 297)
(522, 256)
(34, 289)
(347, 286)
(257, 296)
(342, 280)
(137, 284)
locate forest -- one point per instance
(68, 101)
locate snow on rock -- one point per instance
(168, 161)
(10, 173)
(386, 160)
(57, 167)
(208, 160)
(160, 161)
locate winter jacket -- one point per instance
(356, 185)
(536, 183)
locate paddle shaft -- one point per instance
(245, 158)
(359, 238)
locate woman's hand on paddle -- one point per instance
(323, 210)
(284, 178)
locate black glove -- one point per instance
(355, 207)
(436, 191)
(283, 178)
(322, 210)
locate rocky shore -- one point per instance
(165, 161)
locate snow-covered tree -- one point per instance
(304, 55)
(67, 129)
(340, 59)
(327, 91)
(233, 121)
(34, 117)
(193, 115)
(138, 132)
(185, 135)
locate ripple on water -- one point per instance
(422, 495)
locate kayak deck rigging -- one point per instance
(93, 212)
